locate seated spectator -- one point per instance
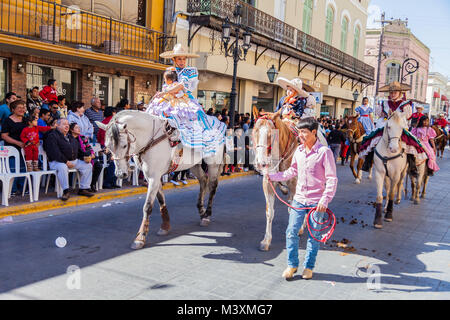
(62, 151)
(11, 129)
(95, 113)
(33, 99)
(44, 117)
(53, 107)
(246, 124)
(62, 107)
(86, 153)
(5, 110)
(49, 93)
(77, 115)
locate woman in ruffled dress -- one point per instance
(365, 113)
(177, 104)
(426, 135)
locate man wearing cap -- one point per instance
(396, 101)
(441, 122)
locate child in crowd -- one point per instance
(30, 137)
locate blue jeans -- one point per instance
(296, 218)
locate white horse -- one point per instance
(143, 137)
(390, 164)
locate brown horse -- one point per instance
(440, 140)
(275, 143)
(355, 134)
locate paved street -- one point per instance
(222, 261)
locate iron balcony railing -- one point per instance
(59, 24)
(272, 28)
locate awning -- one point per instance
(436, 95)
(444, 98)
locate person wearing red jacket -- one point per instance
(442, 123)
(49, 93)
(30, 137)
(415, 117)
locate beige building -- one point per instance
(319, 41)
(438, 94)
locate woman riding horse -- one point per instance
(178, 106)
(396, 101)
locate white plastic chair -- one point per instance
(6, 176)
(97, 148)
(37, 176)
(134, 176)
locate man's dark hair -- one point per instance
(61, 98)
(51, 81)
(122, 103)
(76, 105)
(308, 123)
(36, 87)
(43, 112)
(9, 95)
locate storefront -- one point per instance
(66, 79)
(110, 89)
(217, 100)
(3, 78)
(266, 98)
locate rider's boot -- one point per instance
(367, 161)
(412, 165)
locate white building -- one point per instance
(438, 92)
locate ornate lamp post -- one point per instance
(272, 73)
(238, 52)
(410, 65)
(355, 98)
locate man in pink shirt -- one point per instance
(314, 166)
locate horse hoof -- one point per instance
(378, 226)
(205, 222)
(397, 201)
(423, 196)
(137, 245)
(388, 219)
(416, 201)
(369, 177)
(357, 181)
(264, 247)
(162, 232)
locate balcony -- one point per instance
(289, 40)
(58, 24)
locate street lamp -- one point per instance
(355, 98)
(272, 73)
(238, 52)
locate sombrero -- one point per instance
(395, 86)
(295, 84)
(178, 51)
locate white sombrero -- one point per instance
(178, 51)
(295, 84)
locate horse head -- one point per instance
(353, 128)
(263, 136)
(394, 130)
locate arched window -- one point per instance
(329, 25)
(392, 72)
(344, 32)
(307, 16)
(356, 41)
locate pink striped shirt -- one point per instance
(316, 170)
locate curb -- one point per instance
(74, 201)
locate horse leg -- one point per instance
(165, 225)
(390, 199)
(425, 183)
(270, 213)
(153, 188)
(370, 170)
(379, 178)
(352, 165)
(213, 175)
(359, 167)
(388, 186)
(203, 182)
(420, 179)
(400, 187)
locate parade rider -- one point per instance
(442, 123)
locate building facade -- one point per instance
(438, 93)
(321, 42)
(107, 49)
(399, 44)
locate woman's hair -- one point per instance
(71, 126)
(61, 98)
(109, 112)
(365, 98)
(16, 103)
(76, 105)
(29, 118)
(121, 104)
(421, 121)
(308, 123)
(171, 75)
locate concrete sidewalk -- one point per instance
(50, 202)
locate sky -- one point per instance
(428, 20)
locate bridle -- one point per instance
(386, 159)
